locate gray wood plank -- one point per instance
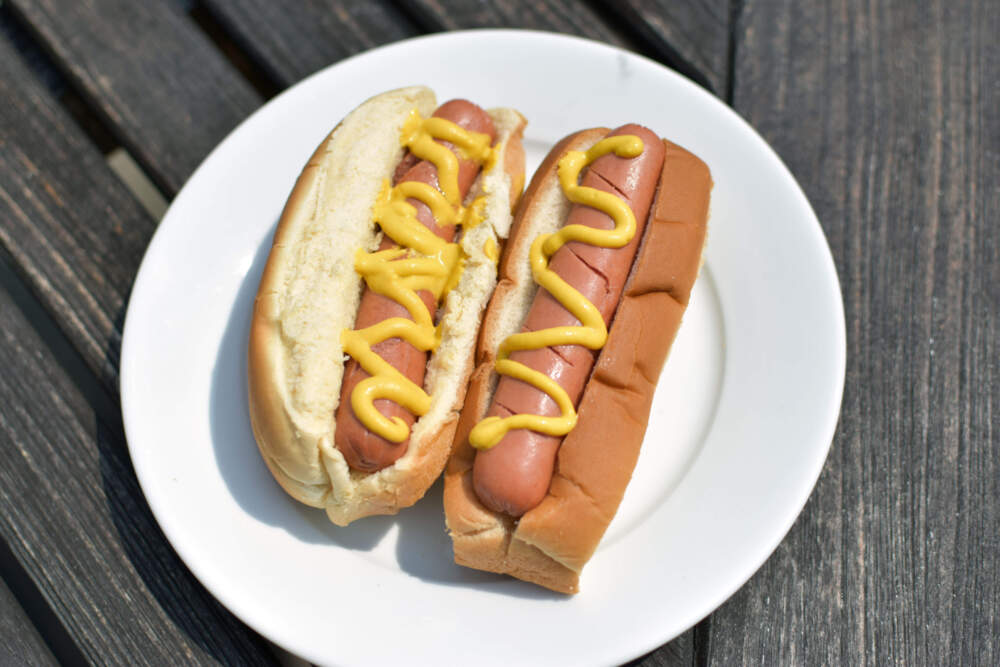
(889, 116)
(77, 237)
(163, 88)
(289, 45)
(75, 232)
(678, 653)
(48, 626)
(74, 518)
(20, 642)
(692, 35)
(566, 16)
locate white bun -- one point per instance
(309, 293)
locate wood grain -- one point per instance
(290, 44)
(692, 36)
(20, 642)
(75, 520)
(74, 231)
(567, 16)
(886, 112)
(889, 115)
(676, 653)
(77, 237)
(162, 87)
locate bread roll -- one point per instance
(309, 294)
(552, 542)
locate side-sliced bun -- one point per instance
(550, 544)
(309, 293)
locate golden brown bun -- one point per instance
(309, 293)
(551, 543)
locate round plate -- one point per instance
(742, 420)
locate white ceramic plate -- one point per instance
(742, 421)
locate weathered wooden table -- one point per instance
(888, 113)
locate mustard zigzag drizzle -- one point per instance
(423, 261)
(593, 333)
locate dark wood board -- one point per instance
(20, 643)
(692, 36)
(676, 653)
(567, 16)
(74, 231)
(158, 82)
(889, 116)
(75, 520)
(289, 45)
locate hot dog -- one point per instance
(535, 504)
(513, 476)
(363, 449)
(364, 327)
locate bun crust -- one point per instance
(309, 293)
(551, 543)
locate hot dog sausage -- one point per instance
(362, 449)
(513, 476)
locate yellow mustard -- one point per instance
(593, 333)
(491, 250)
(423, 261)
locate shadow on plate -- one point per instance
(236, 454)
(424, 550)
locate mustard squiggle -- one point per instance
(423, 261)
(592, 333)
